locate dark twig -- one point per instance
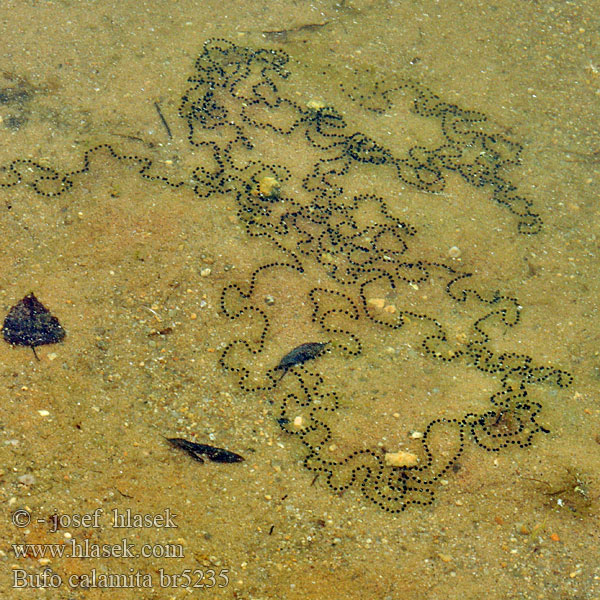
(163, 120)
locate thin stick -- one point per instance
(164, 121)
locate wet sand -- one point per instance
(135, 270)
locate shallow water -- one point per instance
(194, 192)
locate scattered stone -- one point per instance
(267, 187)
(269, 300)
(376, 302)
(401, 459)
(205, 272)
(27, 479)
(454, 252)
(315, 104)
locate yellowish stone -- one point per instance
(401, 459)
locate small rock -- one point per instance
(524, 530)
(376, 302)
(401, 459)
(205, 272)
(315, 104)
(267, 187)
(27, 479)
(454, 252)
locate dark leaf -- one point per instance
(30, 323)
(196, 451)
(300, 355)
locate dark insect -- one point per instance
(30, 323)
(300, 355)
(196, 451)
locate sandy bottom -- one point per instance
(446, 440)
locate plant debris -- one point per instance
(30, 323)
(300, 355)
(196, 451)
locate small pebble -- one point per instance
(376, 302)
(269, 300)
(205, 272)
(27, 479)
(267, 187)
(315, 104)
(401, 459)
(454, 252)
(43, 413)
